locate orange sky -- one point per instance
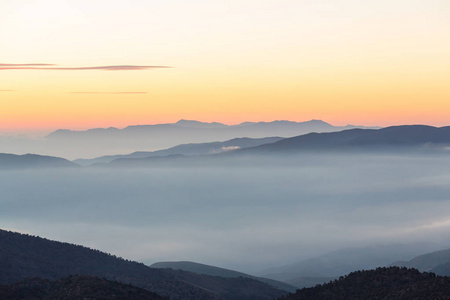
(378, 63)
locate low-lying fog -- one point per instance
(247, 217)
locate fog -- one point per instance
(246, 215)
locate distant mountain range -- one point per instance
(23, 256)
(397, 139)
(111, 141)
(204, 131)
(216, 271)
(148, 140)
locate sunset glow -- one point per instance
(83, 64)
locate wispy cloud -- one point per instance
(107, 92)
(104, 68)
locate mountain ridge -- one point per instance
(32, 161)
(199, 268)
(395, 136)
(381, 283)
(185, 149)
(95, 142)
(24, 256)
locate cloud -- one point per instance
(107, 92)
(225, 149)
(104, 68)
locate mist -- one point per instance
(247, 215)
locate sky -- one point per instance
(81, 64)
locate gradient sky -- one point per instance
(381, 62)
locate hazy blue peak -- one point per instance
(198, 124)
(63, 132)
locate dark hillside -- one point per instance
(23, 256)
(74, 288)
(382, 283)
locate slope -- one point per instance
(382, 283)
(30, 161)
(186, 149)
(216, 271)
(389, 138)
(74, 287)
(23, 256)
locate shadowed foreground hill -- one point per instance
(30, 161)
(23, 256)
(382, 283)
(74, 287)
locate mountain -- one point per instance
(390, 138)
(382, 283)
(442, 269)
(411, 139)
(428, 262)
(408, 139)
(110, 141)
(186, 149)
(23, 256)
(30, 161)
(74, 287)
(216, 271)
(331, 265)
(197, 124)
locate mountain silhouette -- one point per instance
(74, 287)
(382, 283)
(30, 161)
(397, 139)
(111, 141)
(24, 256)
(389, 138)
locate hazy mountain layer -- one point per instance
(426, 262)
(186, 149)
(216, 271)
(24, 256)
(413, 139)
(111, 141)
(341, 262)
(31, 161)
